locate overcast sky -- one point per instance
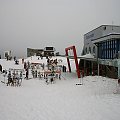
(58, 23)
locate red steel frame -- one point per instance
(75, 57)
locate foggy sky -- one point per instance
(58, 23)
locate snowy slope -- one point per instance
(63, 100)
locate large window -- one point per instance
(94, 49)
(86, 50)
(89, 49)
(49, 48)
(109, 48)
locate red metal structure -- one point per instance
(75, 57)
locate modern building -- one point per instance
(47, 51)
(104, 44)
(32, 52)
(106, 38)
(8, 54)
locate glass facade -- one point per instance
(94, 49)
(90, 49)
(108, 49)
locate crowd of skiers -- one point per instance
(40, 71)
(15, 78)
(49, 71)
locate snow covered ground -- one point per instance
(63, 100)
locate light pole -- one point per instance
(97, 44)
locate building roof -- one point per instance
(88, 56)
(106, 37)
(101, 26)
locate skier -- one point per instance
(35, 73)
(20, 78)
(4, 74)
(22, 60)
(17, 78)
(0, 68)
(27, 74)
(25, 65)
(52, 76)
(10, 79)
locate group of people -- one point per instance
(55, 70)
(51, 61)
(49, 72)
(15, 78)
